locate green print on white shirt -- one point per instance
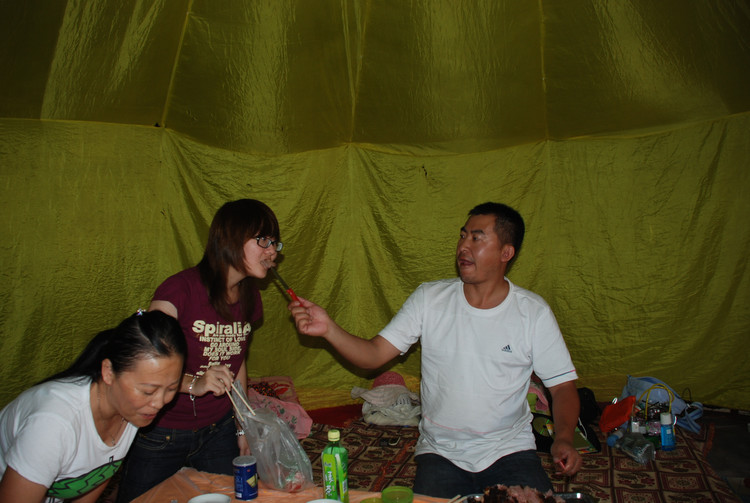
(72, 488)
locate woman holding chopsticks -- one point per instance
(216, 303)
(63, 439)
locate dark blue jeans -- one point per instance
(158, 453)
(436, 476)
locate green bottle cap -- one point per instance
(334, 435)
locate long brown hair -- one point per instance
(234, 224)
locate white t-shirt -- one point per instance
(476, 367)
(47, 435)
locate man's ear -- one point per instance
(108, 373)
(507, 252)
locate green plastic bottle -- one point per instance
(335, 461)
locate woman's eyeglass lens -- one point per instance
(265, 242)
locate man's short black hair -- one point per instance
(509, 224)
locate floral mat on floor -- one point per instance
(381, 456)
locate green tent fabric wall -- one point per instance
(620, 130)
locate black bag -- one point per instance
(590, 410)
(543, 425)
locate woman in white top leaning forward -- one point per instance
(63, 439)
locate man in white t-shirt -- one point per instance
(482, 337)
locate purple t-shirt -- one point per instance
(211, 340)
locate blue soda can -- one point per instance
(245, 478)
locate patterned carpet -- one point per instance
(380, 456)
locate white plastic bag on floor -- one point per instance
(281, 461)
(389, 402)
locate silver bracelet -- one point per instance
(240, 433)
(190, 391)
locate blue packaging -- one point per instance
(245, 478)
(614, 437)
(667, 432)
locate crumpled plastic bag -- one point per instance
(290, 412)
(389, 405)
(398, 414)
(280, 459)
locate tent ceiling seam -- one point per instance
(168, 95)
(542, 68)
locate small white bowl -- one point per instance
(211, 498)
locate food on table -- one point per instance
(518, 494)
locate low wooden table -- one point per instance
(189, 482)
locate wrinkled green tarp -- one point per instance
(620, 130)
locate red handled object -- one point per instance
(284, 285)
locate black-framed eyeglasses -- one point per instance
(265, 242)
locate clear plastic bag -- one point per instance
(636, 447)
(281, 461)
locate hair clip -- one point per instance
(139, 312)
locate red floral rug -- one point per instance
(381, 456)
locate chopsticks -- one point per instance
(234, 404)
(455, 498)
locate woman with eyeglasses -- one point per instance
(216, 303)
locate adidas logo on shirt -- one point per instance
(507, 349)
